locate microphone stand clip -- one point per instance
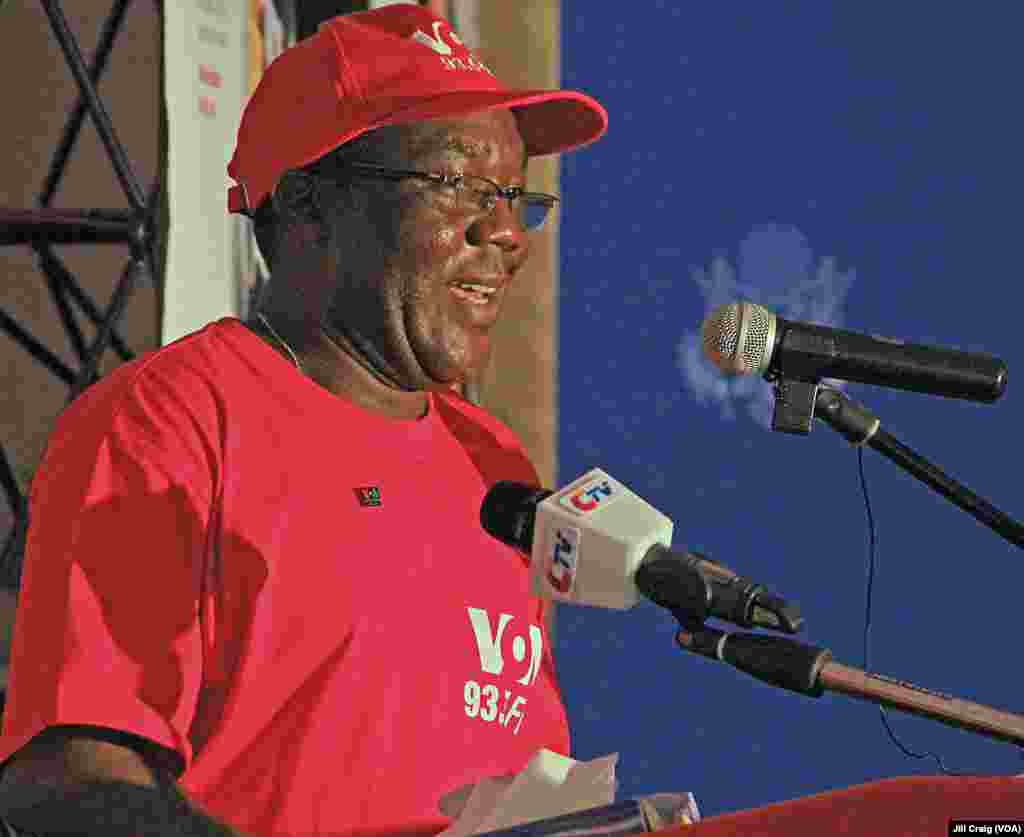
(794, 405)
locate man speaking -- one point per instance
(248, 604)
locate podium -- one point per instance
(918, 806)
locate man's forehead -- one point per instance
(456, 138)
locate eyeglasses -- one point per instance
(466, 193)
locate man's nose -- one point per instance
(503, 227)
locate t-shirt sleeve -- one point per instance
(107, 631)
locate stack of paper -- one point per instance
(549, 786)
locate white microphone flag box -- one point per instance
(589, 539)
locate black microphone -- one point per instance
(596, 543)
(743, 338)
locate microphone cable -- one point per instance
(872, 554)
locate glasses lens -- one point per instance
(534, 211)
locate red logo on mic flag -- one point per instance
(563, 558)
(590, 496)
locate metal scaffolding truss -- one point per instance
(45, 228)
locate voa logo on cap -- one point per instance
(436, 42)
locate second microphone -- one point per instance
(596, 543)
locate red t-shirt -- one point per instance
(291, 592)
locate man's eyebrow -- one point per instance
(435, 143)
(445, 143)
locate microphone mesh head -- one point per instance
(756, 349)
(721, 333)
(739, 338)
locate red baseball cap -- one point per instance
(360, 71)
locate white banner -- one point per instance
(205, 84)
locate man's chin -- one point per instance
(452, 381)
(461, 370)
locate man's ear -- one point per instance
(297, 197)
(298, 203)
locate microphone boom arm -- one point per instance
(860, 426)
(808, 670)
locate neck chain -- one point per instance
(281, 340)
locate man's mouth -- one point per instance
(473, 293)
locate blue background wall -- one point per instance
(857, 163)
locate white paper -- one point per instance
(549, 786)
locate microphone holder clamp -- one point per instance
(794, 405)
(798, 403)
